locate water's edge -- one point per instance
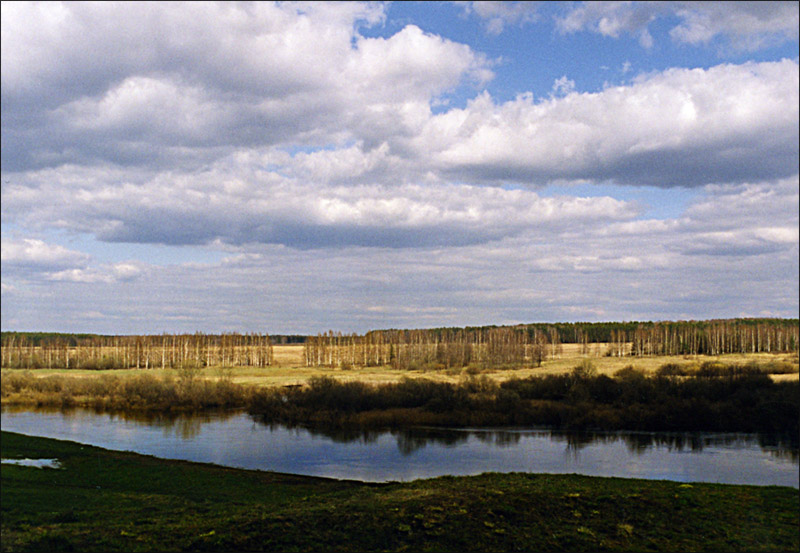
(237, 440)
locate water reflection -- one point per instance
(781, 446)
(180, 424)
(236, 439)
(414, 439)
(188, 426)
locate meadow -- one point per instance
(163, 505)
(573, 390)
(289, 368)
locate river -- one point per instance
(237, 440)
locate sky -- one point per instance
(292, 168)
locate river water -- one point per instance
(237, 440)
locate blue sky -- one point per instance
(298, 167)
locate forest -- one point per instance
(435, 348)
(86, 351)
(530, 344)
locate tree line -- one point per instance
(532, 343)
(438, 348)
(86, 351)
(693, 337)
(442, 349)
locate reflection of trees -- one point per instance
(779, 446)
(338, 434)
(346, 435)
(578, 440)
(184, 425)
(784, 454)
(414, 439)
(500, 438)
(44, 409)
(188, 425)
(409, 441)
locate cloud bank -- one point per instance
(316, 147)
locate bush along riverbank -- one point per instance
(735, 400)
(714, 397)
(100, 500)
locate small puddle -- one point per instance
(37, 463)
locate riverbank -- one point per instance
(102, 500)
(711, 397)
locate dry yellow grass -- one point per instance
(289, 368)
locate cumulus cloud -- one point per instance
(309, 151)
(117, 272)
(561, 266)
(738, 220)
(745, 220)
(34, 254)
(31, 260)
(563, 86)
(744, 25)
(747, 25)
(497, 15)
(190, 82)
(263, 207)
(267, 77)
(682, 127)
(731, 206)
(613, 18)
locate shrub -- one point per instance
(671, 369)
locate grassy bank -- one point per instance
(711, 397)
(114, 501)
(143, 390)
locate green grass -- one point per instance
(116, 501)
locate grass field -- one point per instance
(289, 369)
(733, 393)
(161, 505)
(104, 500)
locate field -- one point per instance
(161, 505)
(568, 391)
(288, 368)
(176, 506)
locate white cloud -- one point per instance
(752, 204)
(32, 260)
(613, 18)
(563, 265)
(141, 105)
(563, 86)
(748, 25)
(185, 83)
(738, 221)
(682, 127)
(80, 275)
(344, 165)
(37, 254)
(745, 25)
(256, 206)
(497, 15)
(107, 274)
(328, 167)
